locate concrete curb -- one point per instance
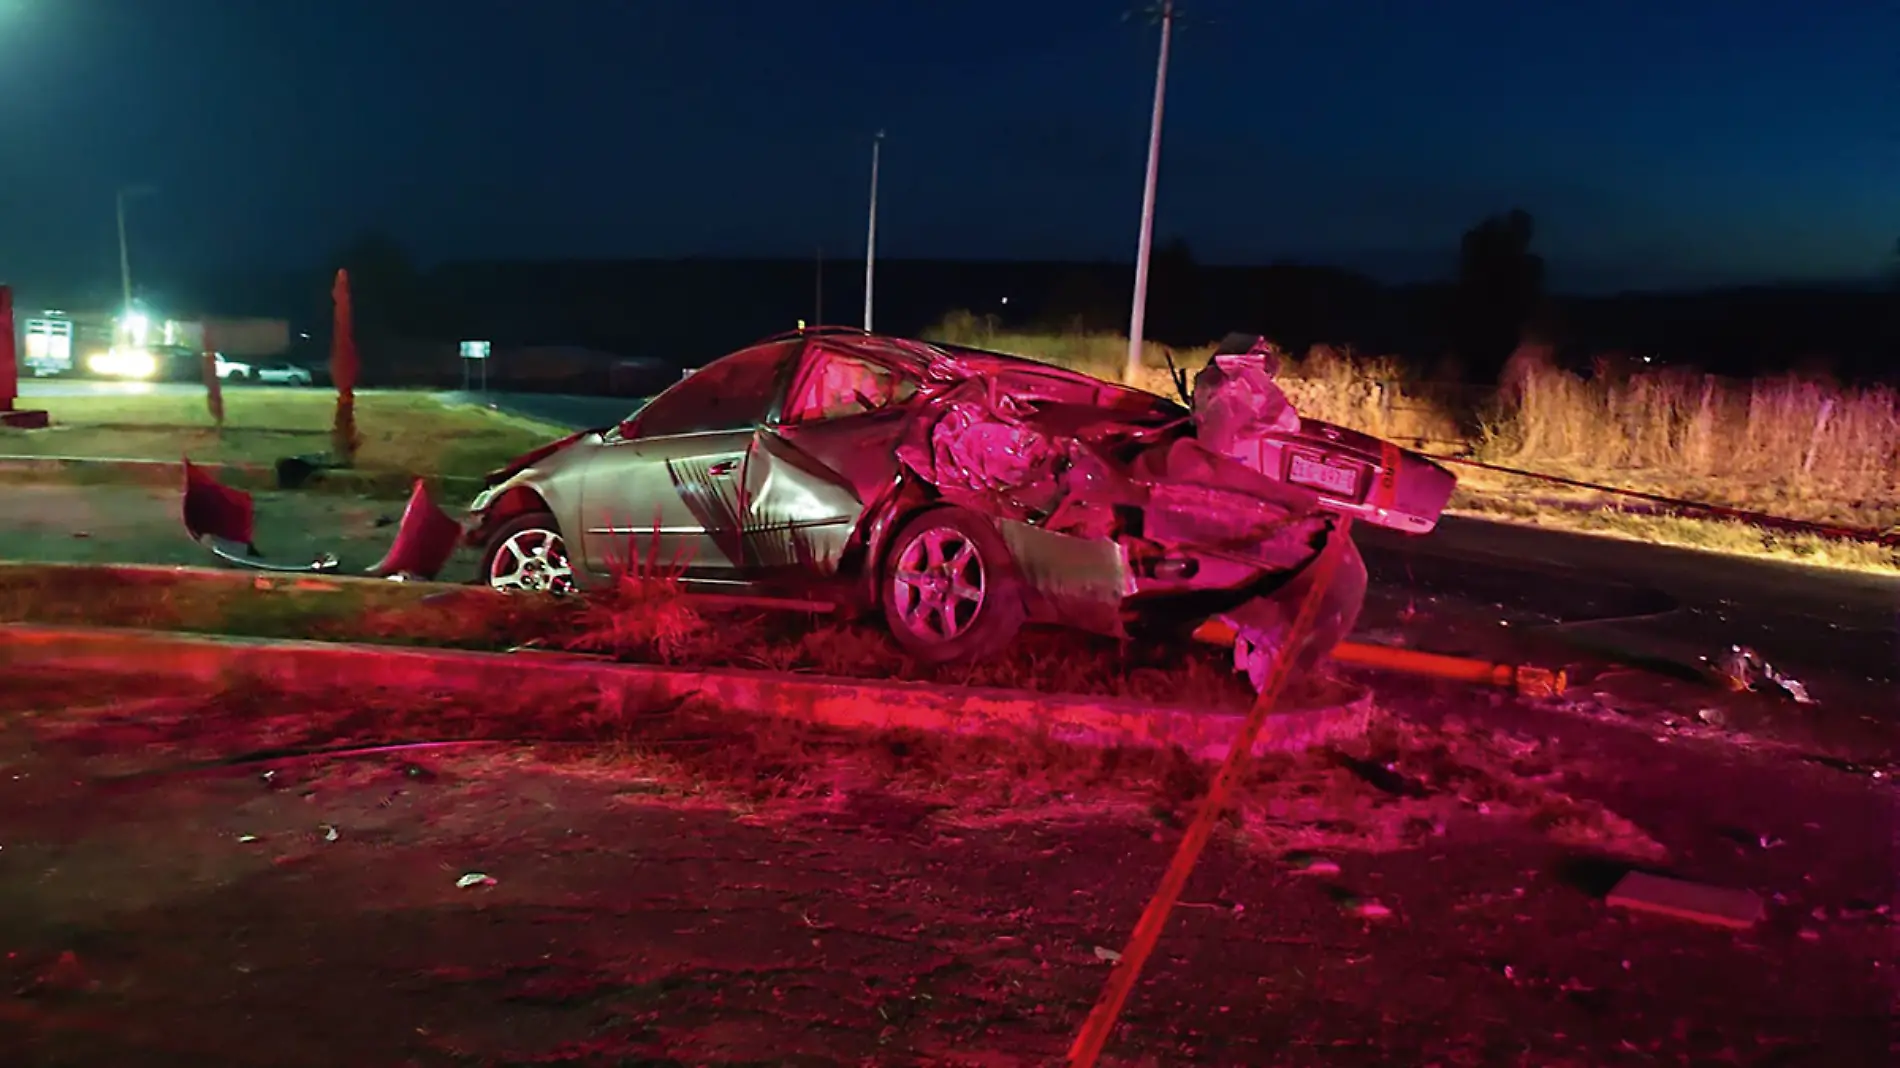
(262, 580)
(121, 470)
(833, 702)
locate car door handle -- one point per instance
(723, 468)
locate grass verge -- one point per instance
(1594, 514)
(641, 622)
(407, 433)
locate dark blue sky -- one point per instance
(1657, 143)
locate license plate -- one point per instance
(1329, 478)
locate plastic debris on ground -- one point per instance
(473, 879)
(1743, 670)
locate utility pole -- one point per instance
(1145, 244)
(870, 238)
(818, 297)
(125, 259)
(125, 263)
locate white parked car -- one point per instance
(282, 374)
(232, 369)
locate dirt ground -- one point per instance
(175, 892)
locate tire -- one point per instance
(926, 604)
(512, 549)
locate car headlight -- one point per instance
(483, 500)
(123, 363)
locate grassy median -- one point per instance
(402, 432)
(648, 622)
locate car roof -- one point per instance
(925, 359)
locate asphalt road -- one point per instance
(1838, 632)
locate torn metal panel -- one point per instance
(1201, 498)
(1743, 670)
(1261, 626)
(797, 512)
(1080, 581)
(223, 521)
(425, 539)
(972, 450)
(1236, 400)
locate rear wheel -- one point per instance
(950, 590)
(528, 555)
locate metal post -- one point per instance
(1139, 313)
(818, 297)
(125, 262)
(870, 238)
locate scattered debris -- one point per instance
(1715, 905)
(1112, 956)
(1367, 908)
(65, 975)
(474, 878)
(1312, 865)
(329, 833)
(246, 839)
(1743, 670)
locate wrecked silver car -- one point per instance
(962, 493)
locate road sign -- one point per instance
(475, 350)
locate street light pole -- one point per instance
(1138, 315)
(125, 262)
(870, 238)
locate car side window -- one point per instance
(732, 393)
(840, 385)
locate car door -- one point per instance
(667, 487)
(832, 450)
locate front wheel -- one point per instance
(528, 555)
(950, 590)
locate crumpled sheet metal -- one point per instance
(1236, 400)
(1081, 581)
(1261, 625)
(971, 451)
(1204, 499)
(223, 521)
(1743, 670)
(425, 539)
(981, 451)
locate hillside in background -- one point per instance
(684, 311)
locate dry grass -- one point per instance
(1800, 448)
(1804, 448)
(407, 432)
(1400, 786)
(1338, 385)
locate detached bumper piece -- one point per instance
(223, 521)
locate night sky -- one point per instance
(1669, 143)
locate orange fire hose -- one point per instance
(1525, 679)
(1093, 1036)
